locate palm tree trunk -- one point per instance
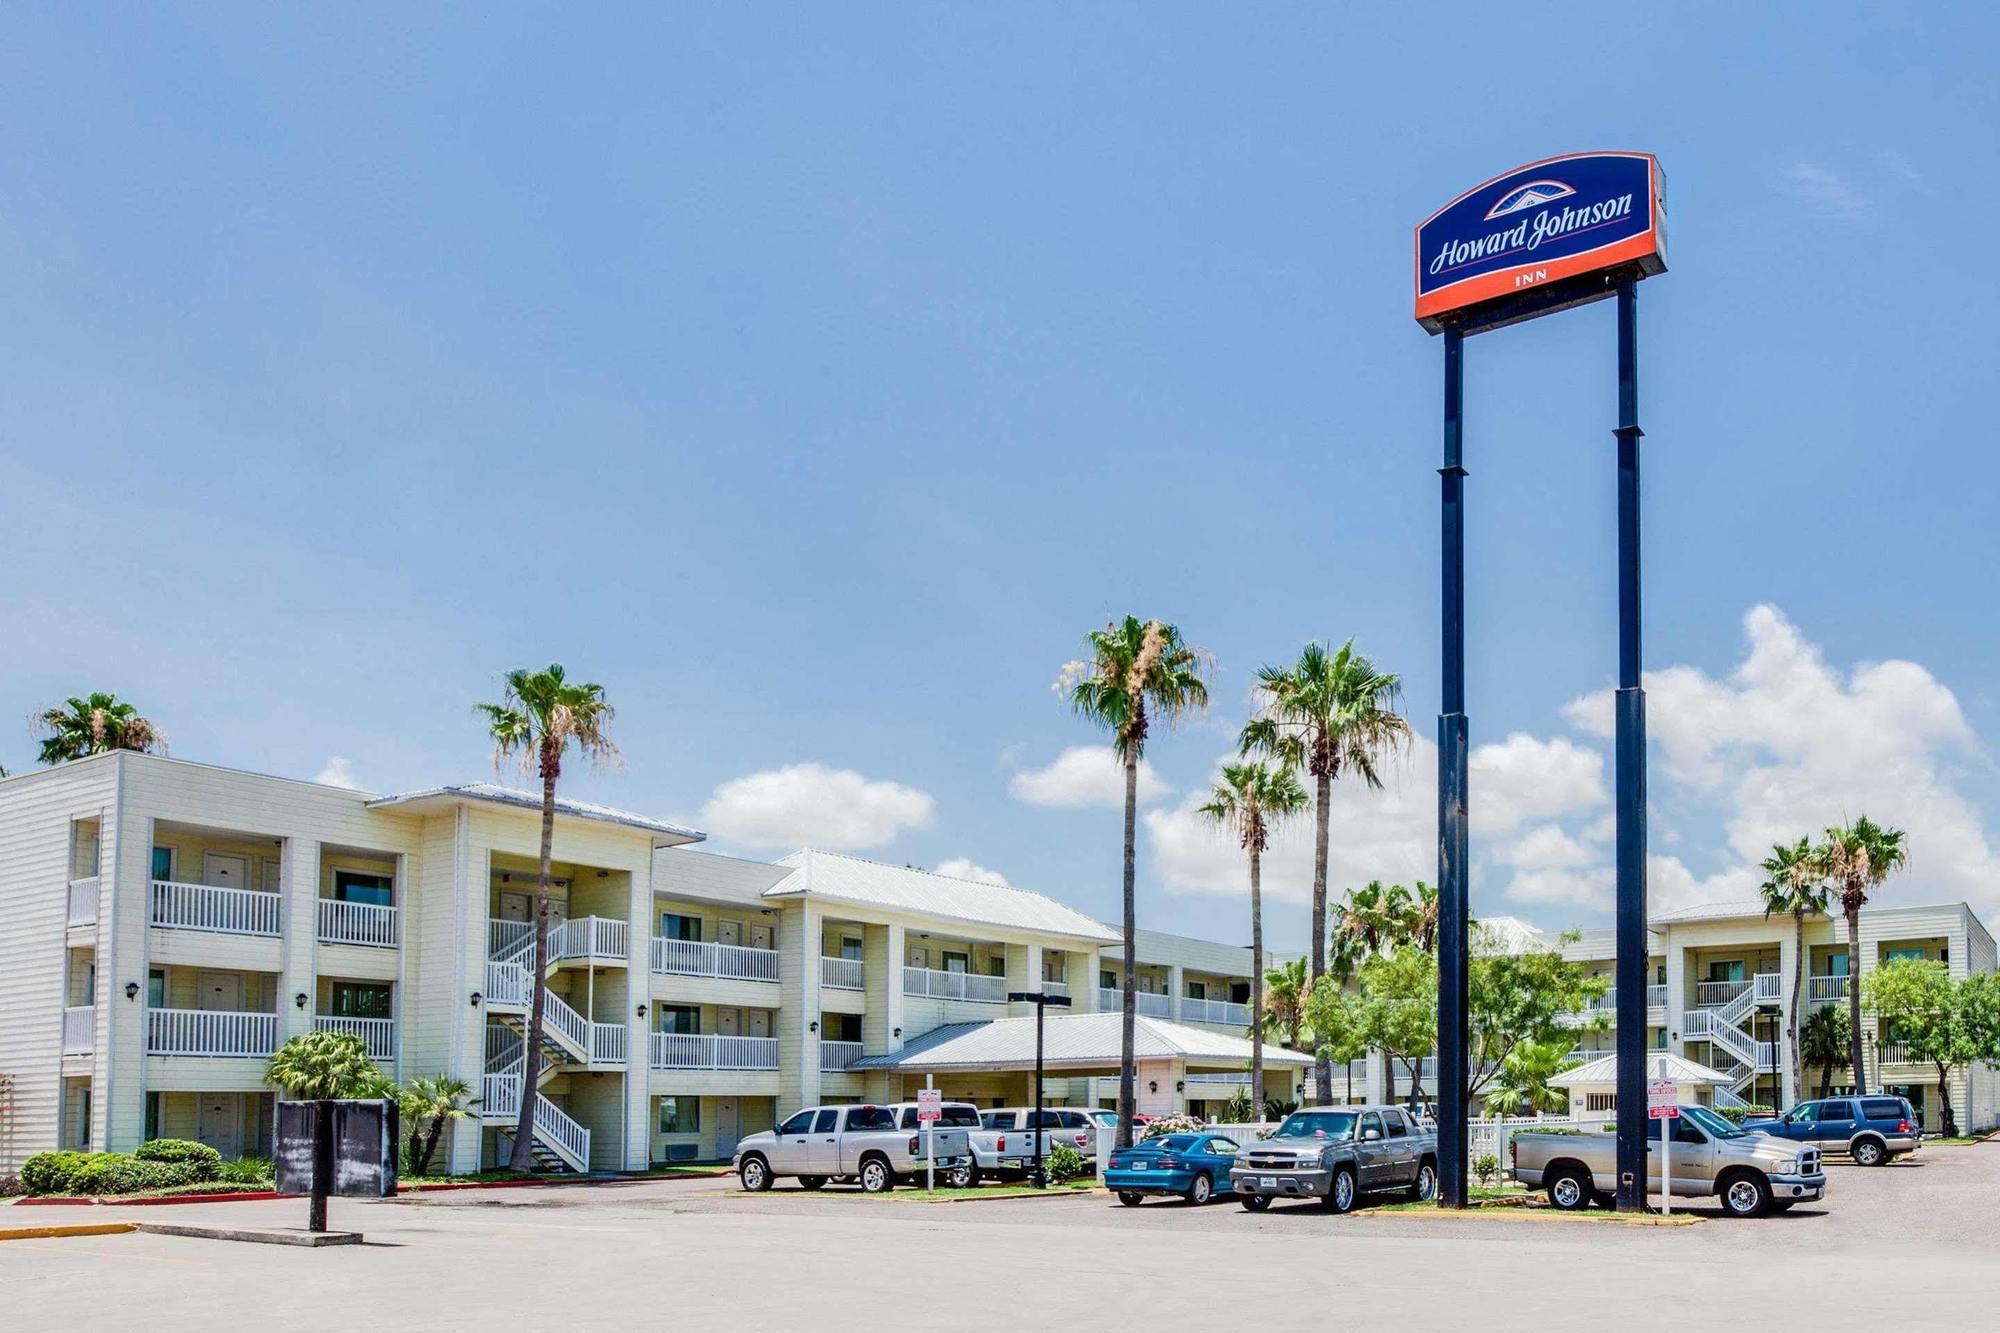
(531, 1064)
(1947, 1117)
(1792, 1030)
(430, 1145)
(1256, 980)
(1127, 1032)
(1323, 792)
(1825, 1081)
(1854, 997)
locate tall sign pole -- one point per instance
(1037, 1176)
(1558, 233)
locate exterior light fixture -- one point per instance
(131, 990)
(898, 1032)
(300, 999)
(1152, 1085)
(1180, 1085)
(475, 999)
(642, 1011)
(813, 1026)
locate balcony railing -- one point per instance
(212, 1032)
(1894, 1053)
(509, 984)
(597, 938)
(206, 907)
(928, 981)
(1214, 1011)
(1769, 986)
(708, 1050)
(1823, 990)
(1151, 1003)
(835, 1056)
(1710, 993)
(83, 901)
(1218, 1080)
(357, 923)
(504, 935)
(378, 1033)
(607, 1043)
(1656, 997)
(840, 973)
(699, 958)
(80, 1030)
(1055, 987)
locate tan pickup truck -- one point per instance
(1750, 1173)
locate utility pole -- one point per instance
(1037, 1176)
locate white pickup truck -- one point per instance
(863, 1143)
(1004, 1146)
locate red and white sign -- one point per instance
(1663, 1099)
(930, 1105)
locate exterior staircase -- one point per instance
(1736, 1053)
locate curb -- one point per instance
(253, 1196)
(312, 1240)
(1541, 1214)
(71, 1229)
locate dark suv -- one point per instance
(1871, 1130)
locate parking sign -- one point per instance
(930, 1105)
(1663, 1099)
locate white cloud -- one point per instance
(1825, 194)
(959, 867)
(1084, 776)
(338, 773)
(1522, 778)
(810, 805)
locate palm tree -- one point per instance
(1423, 923)
(1284, 1008)
(427, 1103)
(1250, 800)
(95, 724)
(1524, 1079)
(539, 718)
(321, 1066)
(1794, 882)
(1856, 859)
(1326, 712)
(1823, 1043)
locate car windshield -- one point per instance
(1317, 1125)
(1176, 1142)
(1712, 1122)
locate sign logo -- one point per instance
(1540, 224)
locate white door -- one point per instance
(729, 932)
(760, 935)
(219, 1122)
(760, 1022)
(729, 1022)
(728, 1126)
(221, 991)
(516, 906)
(225, 871)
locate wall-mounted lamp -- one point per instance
(300, 999)
(1180, 1085)
(604, 874)
(898, 1032)
(1152, 1085)
(642, 1011)
(476, 997)
(131, 990)
(813, 1026)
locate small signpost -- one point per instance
(1663, 1103)
(930, 1107)
(345, 1148)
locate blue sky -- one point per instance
(815, 377)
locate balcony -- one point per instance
(1199, 1082)
(708, 1050)
(936, 985)
(1769, 986)
(1895, 1053)
(596, 939)
(205, 907)
(211, 1032)
(79, 1030)
(1111, 999)
(83, 897)
(728, 962)
(379, 1034)
(834, 1056)
(369, 924)
(1709, 994)
(1055, 988)
(1214, 1011)
(840, 973)
(1826, 989)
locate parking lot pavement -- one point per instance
(1908, 1245)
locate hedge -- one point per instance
(118, 1173)
(198, 1155)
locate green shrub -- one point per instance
(50, 1172)
(116, 1173)
(247, 1171)
(206, 1161)
(1486, 1166)
(1065, 1163)
(1239, 1109)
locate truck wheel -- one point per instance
(1199, 1192)
(1570, 1190)
(812, 1182)
(1131, 1198)
(1341, 1193)
(876, 1177)
(1425, 1186)
(1746, 1195)
(1255, 1203)
(755, 1173)
(962, 1177)
(1869, 1152)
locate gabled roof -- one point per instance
(439, 798)
(1072, 1041)
(834, 877)
(1659, 1064)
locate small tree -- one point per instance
(428, 1103)
(1823, 1043)
(1400, 1010)
(1947, 1021)
(1523, 1083)
(322, 1066)
(1516, 999)
(1340, 1023)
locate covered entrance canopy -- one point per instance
(1074, 1044)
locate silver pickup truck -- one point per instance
(1337, 1156)
(863, 1143)
(1750, 1173)
(1004, 1147)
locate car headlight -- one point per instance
(1788, 1167)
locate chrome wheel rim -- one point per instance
(1568, 1192)
(753, 1174)
(1867, 1153)
(871, 1177)
(1742, 1197)
(1427, 1183)
(1199, 1190)
(1343, 1191)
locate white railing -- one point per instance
(1584, 1055)
(571, 1029)
(1214, 1011)
(1821, 990)
(1110, 999)
(83, 896)
(503, 1047)
(210, 1032)
(79, 1030)
(1709, 993)
(1055, 987)
(607, 1043)
(937, 985)
(1894, 1053)
(561, 1131)
(839, 973)
(206, 907)
(1768, 985)
(500, 1095)
(709, 1050)
(378, 1033)
(700, 958)
(1767, 1057)
(835, 1056)
(502, 936)
(356, 923)
(593, 937)
(1218, 1080)
(1656, 997)
(509, 984)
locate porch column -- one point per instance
(639, 992)
(882, 953)
(298, 973)
(1176, 988)
(1677, 996)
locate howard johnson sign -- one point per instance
(1542, 226)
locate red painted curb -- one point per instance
(57, 1200)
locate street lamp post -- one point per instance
(1041, 1000)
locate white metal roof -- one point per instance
(830, 875)
(666, 835)
(1072, 1041)
(1659, 1064)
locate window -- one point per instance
(956, 962)
(680, 926)
(353, 886)
(798, 1124)
(1239, 992)
(1883, 1108)
(1394, 1120)
(163, 863)
(850, 948)
(1685, 1131)
(680, 1115)
(1371, 1123)
(681, 1018)
(1222, 1147)
(357, 999)
(1894, 954)
(1070, 1119)
(824, 1121)
(1804, 1114)
(841, 1027)
(1729, 970)
(1836, 964)
(1107, 979)
(1197, 990)
(997, 1120)
(152, 1116)
(871, 1117)
(996, 966)
(156, 988)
